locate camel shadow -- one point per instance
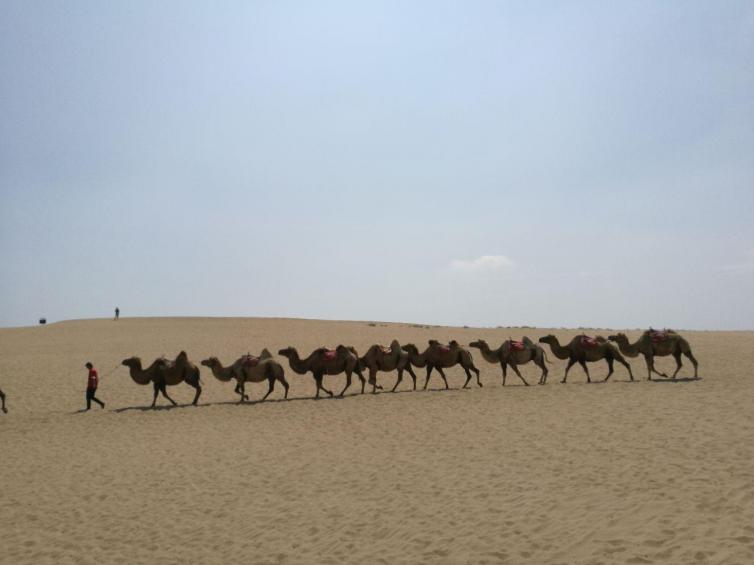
(678, 380)
(153, 409)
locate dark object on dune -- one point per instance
(43, 321)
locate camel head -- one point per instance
(287, 352)
(132, 362)
(548, 339)
(211, 362)
(479, 344)
(433, 342)
(617, 337)
(411, 348)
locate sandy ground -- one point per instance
(605, 473)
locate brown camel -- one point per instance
(379, 358)
(514, 353)
(2, 399)
(249, 368)
(653, 343)
(439, 356)
(162, 373)
(582, 350)
(323, 361)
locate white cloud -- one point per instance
(483, 264)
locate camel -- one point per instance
(514, 353)
(2, 399)
(583, 350)
(439, 356)
(378, 358)
(162, 373)
(653, 344)
(323, 361)
(249, 368)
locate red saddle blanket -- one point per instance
(587, 341)
(516, 345)
(659, 336)
(444, 348)
(329, 354)
(249, 361)
(386, 350)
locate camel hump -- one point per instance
(526, 341)
(395, 344)
(265, 354)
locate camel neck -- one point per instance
(558, 350)
(299, 366)
(490, 355)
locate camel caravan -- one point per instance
(322, 362)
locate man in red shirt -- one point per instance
(91, 387)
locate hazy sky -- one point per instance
(481, 163)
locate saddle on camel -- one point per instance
(587, 341)
(249, 360)
(328, 354)
(516, 345)
(658, 335)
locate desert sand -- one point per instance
(643, 472)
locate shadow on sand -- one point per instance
(269, 401)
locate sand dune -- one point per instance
(605, 473)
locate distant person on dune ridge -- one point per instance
(117, 312)
(2, 399)
(91, 387)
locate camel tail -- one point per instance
(544, 353)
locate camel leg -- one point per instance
(240, 391)
(651, 367)
(515, 370)
(398, 380)
(678, 363)
(442, 374)
(320, 385)
(282, 380)
(361, 378)
(628, 368)
(693, 362)
(429, 372)
(504, 365)
(609, 369)
(198, 388)
(586, 370)
(156, 386)
(476, 372)
(571, 363)
(543, 377)
(348, 383)
(318, 381)
(164, 391)
(2, 399)
(413, 375)
(372, 380)
(271, 381)
(468, 376)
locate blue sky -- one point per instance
(480, 163)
